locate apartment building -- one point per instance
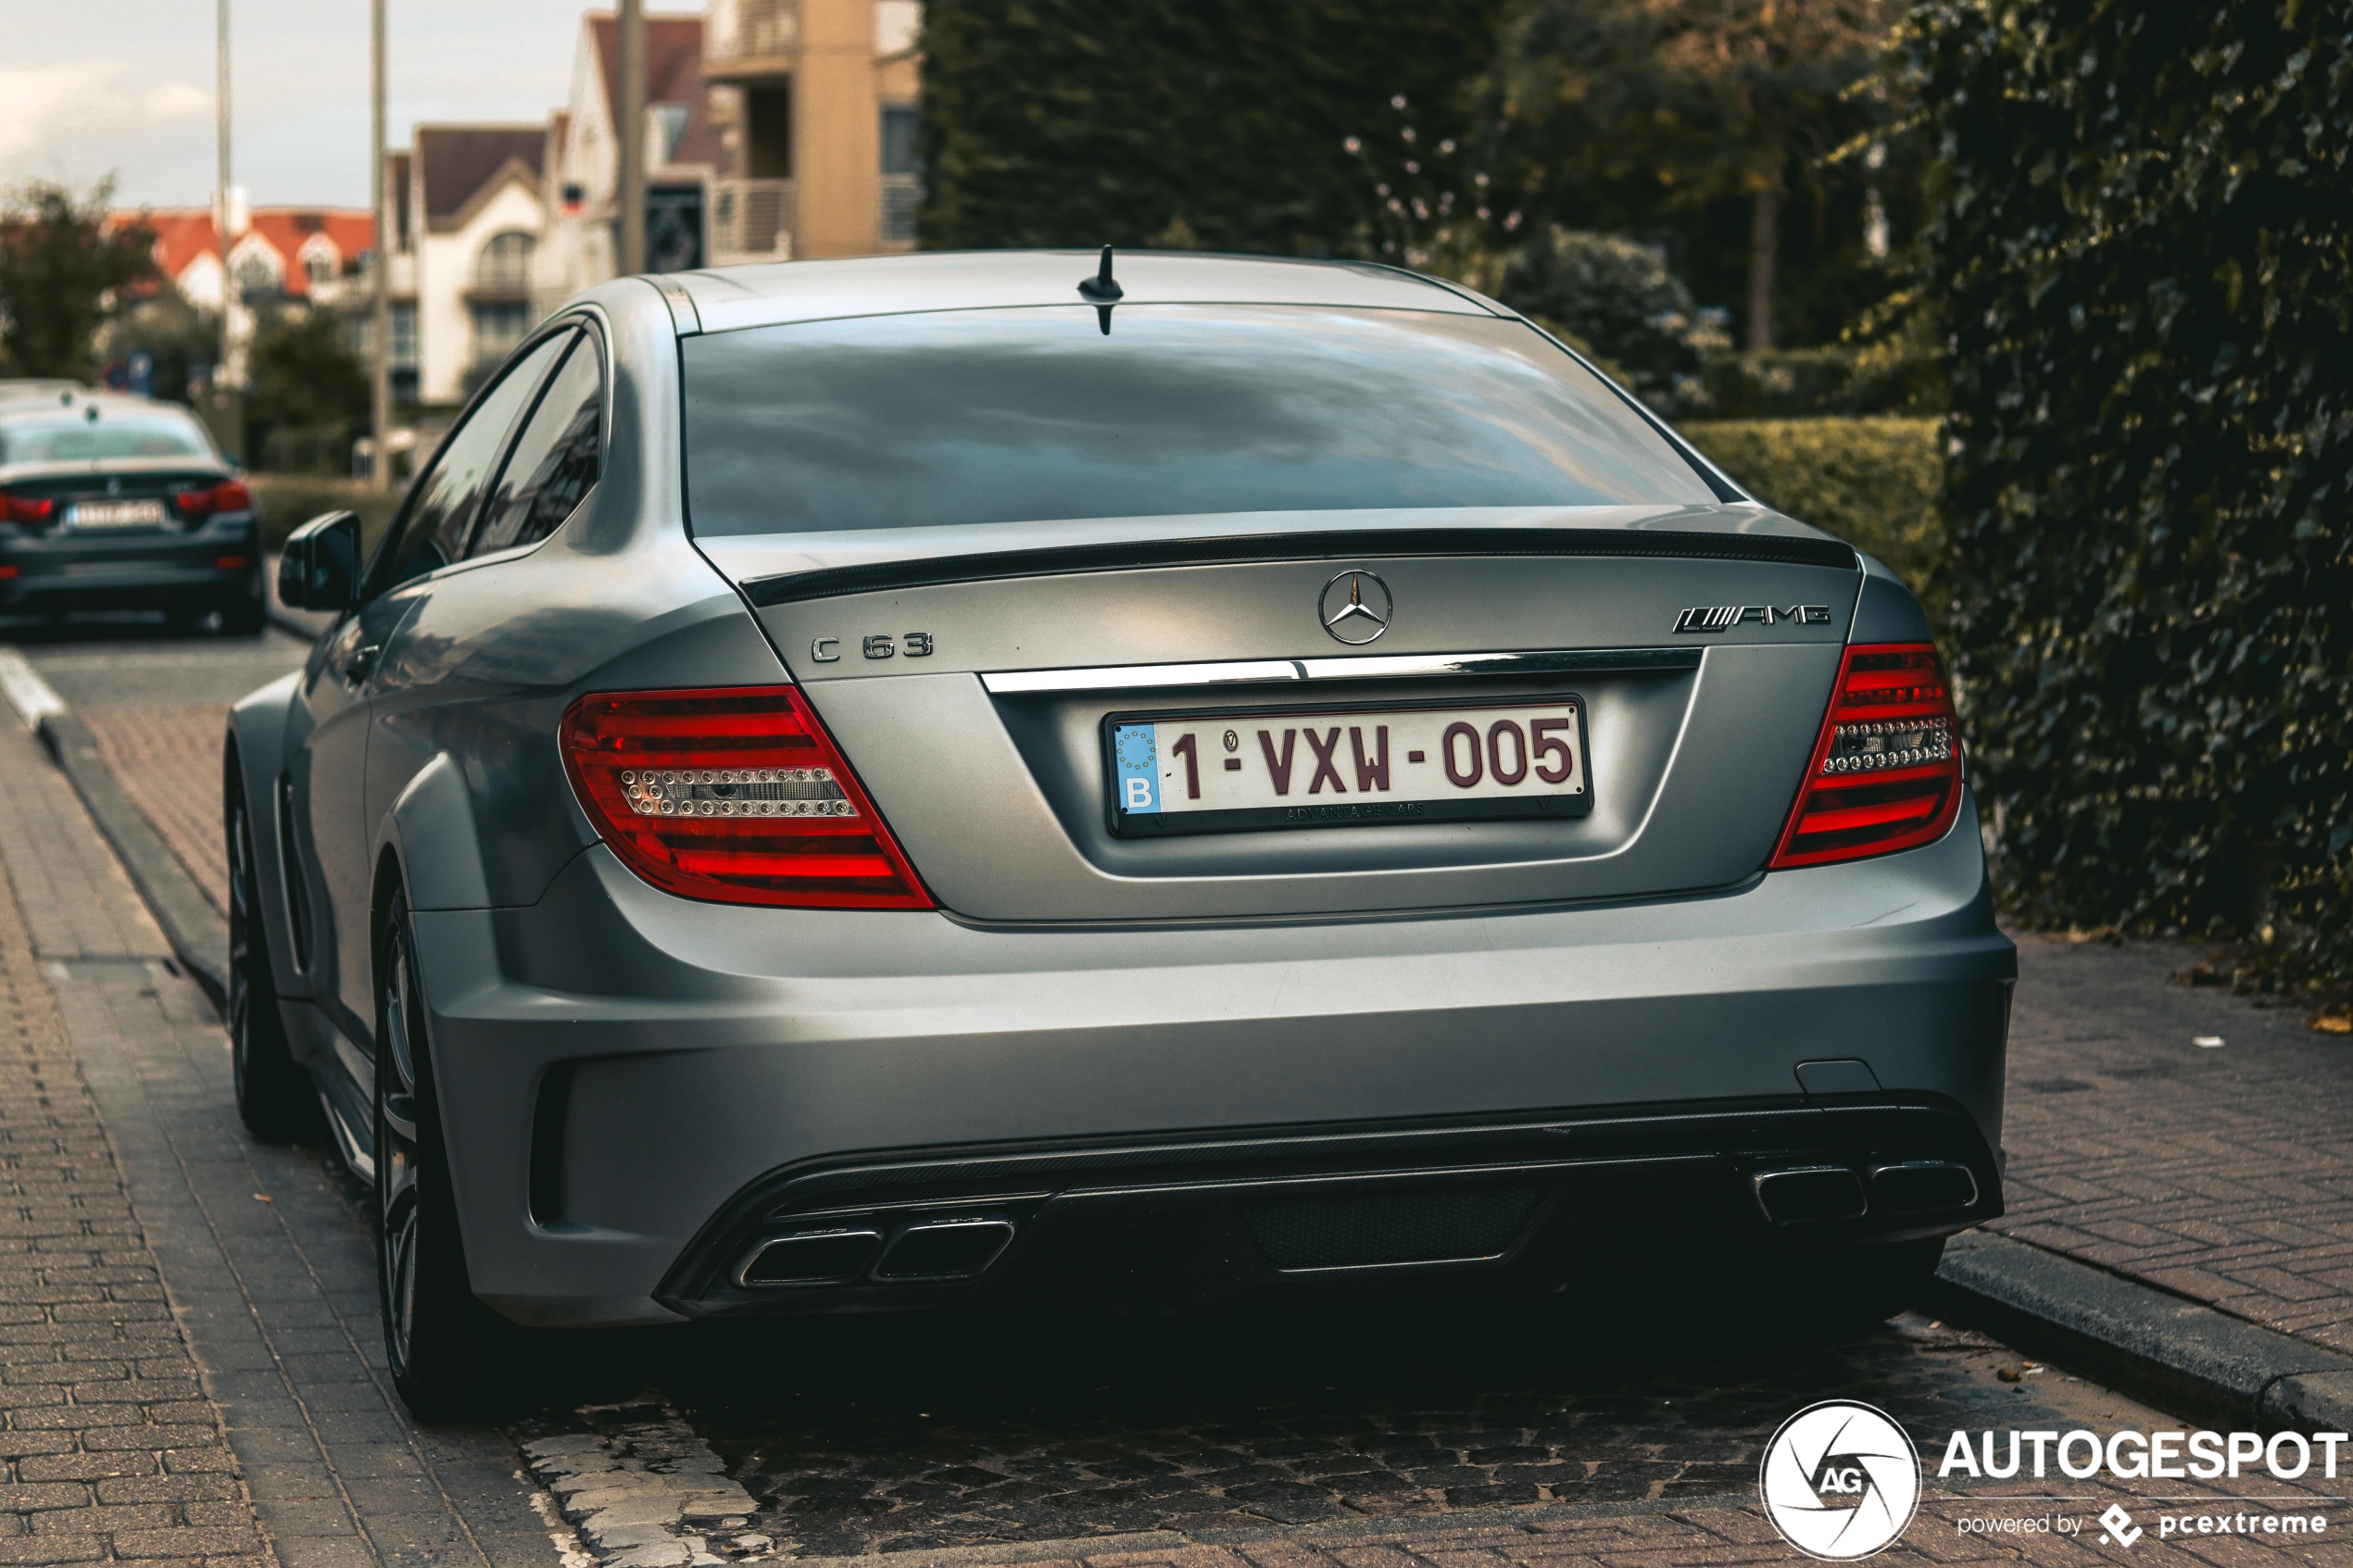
(775, 130)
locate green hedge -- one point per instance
(1871, 482)
(2144, 258)
(289, 500)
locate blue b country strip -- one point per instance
(1136, 768)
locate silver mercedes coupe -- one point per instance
(1135, 781)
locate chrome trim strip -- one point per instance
(1379, 667)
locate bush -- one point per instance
(1870, 482)
(2144, 258)
(1617, 297)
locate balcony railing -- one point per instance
(750, 38)
(902, 195)
(752, 220)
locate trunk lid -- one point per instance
(977, 697)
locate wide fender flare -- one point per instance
(258, 723)
(430, 832)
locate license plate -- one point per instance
(1216, 772)
(114, 514)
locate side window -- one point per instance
(441, 508)
(555, 459)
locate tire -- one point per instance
(275, 1096)
(243, 616)
(450, 1356)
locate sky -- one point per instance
(92, 88)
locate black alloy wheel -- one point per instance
(275, 1096)
(449, 1353)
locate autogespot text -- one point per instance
(2135, 1456)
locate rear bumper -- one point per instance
(640, 1090)
(139, 571)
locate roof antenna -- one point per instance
(1102, 291)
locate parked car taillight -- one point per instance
(1886, 772)
(226, 496)
(736, 795)
(32, 511)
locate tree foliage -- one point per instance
(1617, 299)
(61, 273)
(306, 393)
(1707, 117)
(1216, 124)
(2145, 258)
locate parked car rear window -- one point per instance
(76, 438)
(1031, 414)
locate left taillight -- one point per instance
(1886, 769)
(30, 511)
(736, 795)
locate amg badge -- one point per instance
(1723, 618)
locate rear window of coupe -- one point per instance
(1032, 415)
(77, 438)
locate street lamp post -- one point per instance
(379, 387)
(220, 217)
(632, 183)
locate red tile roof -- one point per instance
(186, 235)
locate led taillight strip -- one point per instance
(735, 794)
(1885, 771)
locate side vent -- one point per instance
(290, 876)
(548, 1114)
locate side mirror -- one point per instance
(320, 567)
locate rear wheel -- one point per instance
(274, 1092)
(243, 616)
(447, 1351)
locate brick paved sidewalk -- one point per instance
(111, 1450)
(2224, 1173)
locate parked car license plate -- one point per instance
(114, 514)
(1214, 772)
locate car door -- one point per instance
(329, 764)
(447, 664)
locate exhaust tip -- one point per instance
(1922, 1187)
(945, 1248)
(831, 1257)
(1808, 1192)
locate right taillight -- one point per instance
(733, 794)
(1886, 771)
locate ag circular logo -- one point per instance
(1840, 1480)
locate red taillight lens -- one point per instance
(226, 496)
(736, 795)
(32, 511)
(1886, 772)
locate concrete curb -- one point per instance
(2182, 1357)
(198, 934)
